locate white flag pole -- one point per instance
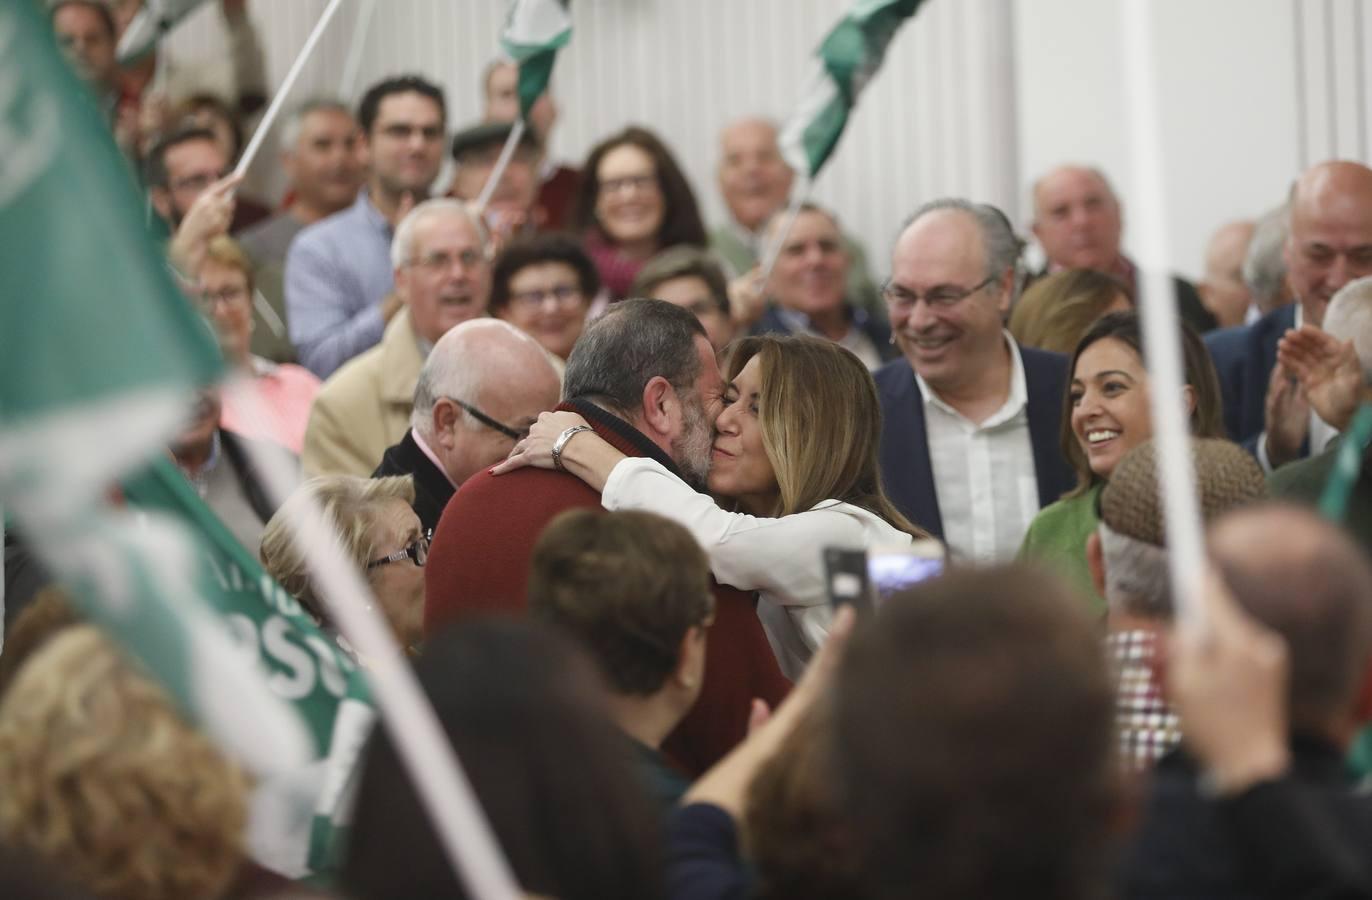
(1161, 326)
(435, 771)
(798, 199)
(284, 90)
(352, 64)
(506, 153)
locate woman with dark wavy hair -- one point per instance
(634, 201)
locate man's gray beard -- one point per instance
(691, 451)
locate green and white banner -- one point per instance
(149, 24)
(534, 31)
(100, 356)
(850, 55)
(305, 667)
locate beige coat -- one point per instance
(365, 406)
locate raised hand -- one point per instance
(1227, 681)
(1287, 415)
(209, 216)
(1329, 372)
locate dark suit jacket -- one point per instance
(905, 468)
(1244, 357)
(432, 490)
(1187, 845)
(479, 565)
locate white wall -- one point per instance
(938, 120)
(1230, 94)
(977, 96)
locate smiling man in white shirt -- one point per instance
(970, 443)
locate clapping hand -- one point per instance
(1329, 371)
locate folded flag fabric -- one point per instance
(534, 31)
(100, 356)
(850, 56)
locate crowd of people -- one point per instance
(587, 456)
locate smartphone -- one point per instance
(891, 569)
(845, 572)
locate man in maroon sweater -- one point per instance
(644, 376)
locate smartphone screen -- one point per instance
(891, 570)
(846, 574)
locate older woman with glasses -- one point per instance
(380, 533)
(544, 285)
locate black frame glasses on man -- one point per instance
(516, 433)
(417, 550)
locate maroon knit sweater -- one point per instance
(479, 563)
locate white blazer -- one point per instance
(781, 558)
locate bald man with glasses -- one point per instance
(483, 385)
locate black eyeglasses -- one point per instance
(517, 434)
(417, 550)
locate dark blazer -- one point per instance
(1244, 357)
(905, 468)
(773, 322)
(432, 490)
(1188, 845)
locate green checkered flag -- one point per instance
(850, 55)
(534, 31)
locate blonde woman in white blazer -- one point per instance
(793, 469)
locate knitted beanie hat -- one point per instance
(1226, 476)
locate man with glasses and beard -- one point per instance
(644, 375)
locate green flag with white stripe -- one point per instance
(149, 24)
(850, 55)
(534, 31)
(305, 667)
(100, 356)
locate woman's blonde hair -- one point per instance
(351, 504)
(228, 252)
(1056, 310)
(101, 778)
(808, 383)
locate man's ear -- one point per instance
(161, 202)
(1095, 561)
(445, 416)
(661, 406)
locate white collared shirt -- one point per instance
(984, 473)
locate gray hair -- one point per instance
(457, 366)
(290, 129)
(1136, 575)
(1349, 318)
(998, 239)
(402, 245)
(634, 342)
(1264, 266)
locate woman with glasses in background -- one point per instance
(634, 201)
(544, 285)
(381, 535)
(264, 400)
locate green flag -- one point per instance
(306, 668)
(850, 55)
(534, 31)
(99, 359)
(156, 18)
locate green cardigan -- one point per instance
(1057, 538)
